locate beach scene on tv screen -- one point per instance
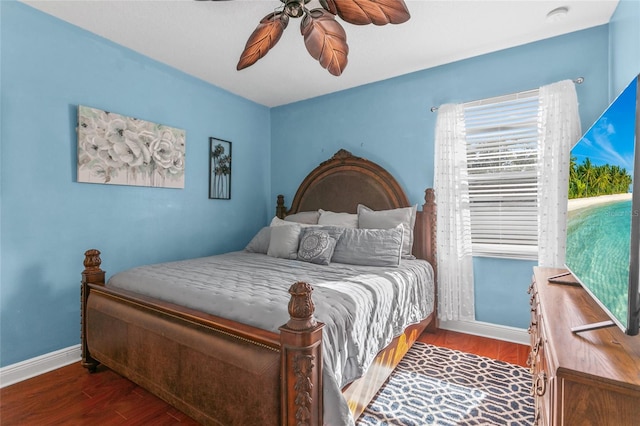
(599, 206)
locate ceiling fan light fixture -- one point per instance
(294, 8)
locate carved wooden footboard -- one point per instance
(216, 370)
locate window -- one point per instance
(502, 140)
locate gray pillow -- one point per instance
(385, 219)
(260, 242)
(370, 247)
(284, 241)
(316, 247)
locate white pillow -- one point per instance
(387, 219)
(345, 220)
(276, 221)
(284, 241)
(309, 218)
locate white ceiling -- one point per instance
(205, 38)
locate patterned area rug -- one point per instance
(440, 386)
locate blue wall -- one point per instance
(389, 122)
(624, 47)
(48, 219)
(48, 67)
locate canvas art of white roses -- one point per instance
(120, 150)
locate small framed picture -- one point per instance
(219, 169)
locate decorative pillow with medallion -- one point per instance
(317, 247)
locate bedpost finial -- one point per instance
(92, 273)
(281, 210)
(429, 196)
(92, 260)
(301, 307)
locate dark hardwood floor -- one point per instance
(490, 348)
(72, 396)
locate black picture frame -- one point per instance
(219, 169)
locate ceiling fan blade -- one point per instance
(325, 40)
(364, 12)
(263, 38)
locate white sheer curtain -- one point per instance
(559, 124)
(455, 261)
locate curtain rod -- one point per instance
(578, 80)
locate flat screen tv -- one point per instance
(603, 223)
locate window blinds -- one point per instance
(502, 160)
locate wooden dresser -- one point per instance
(590, 378)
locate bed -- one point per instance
(224, 368)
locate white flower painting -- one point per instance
(115, 149)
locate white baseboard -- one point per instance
(29, 368)
(485, 329)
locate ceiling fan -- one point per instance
(324, 37)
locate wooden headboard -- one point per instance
(344, 181)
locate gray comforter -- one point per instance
(363, 307)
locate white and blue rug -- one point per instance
(440, 386)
